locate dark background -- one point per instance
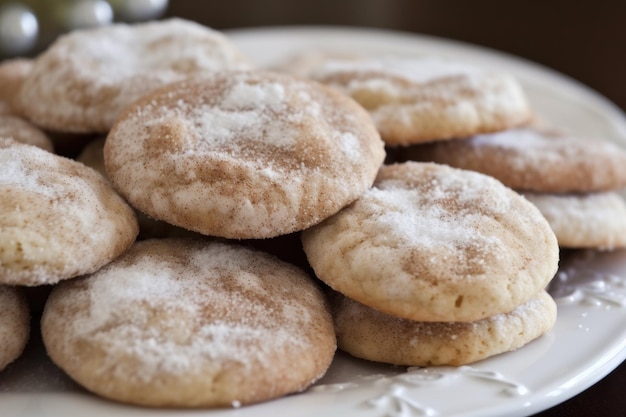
(583, 39)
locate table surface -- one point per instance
(606, 399)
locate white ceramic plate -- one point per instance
(588, 341)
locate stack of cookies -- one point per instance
(436, 266)
(418, 263)
(433, 265)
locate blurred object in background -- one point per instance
(138, 10)
(29, 26)
(88, 13)
(19, 29)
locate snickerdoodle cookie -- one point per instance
(594, 220)
(414, 100)
(433, 243)
(24, 132)
(92, 156)
(533, 158)
(243, 154)
(302, 63)
(191, 323)
(369, 334)
(13, 72)
(59, 218)
(85, 78)
(14, 324)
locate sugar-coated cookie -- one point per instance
(414, 100)
(13, 72)
(59, 218)
(14, 324)
(369, 334)
(191, 323)
(302, 63)
(24, 132)
(595, 220)
(433, 243)
(534, 159)
(84, 79)
(243, 154)
(92, 156)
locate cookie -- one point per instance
(14, 324)
(595, 220)
(59, 218)
(302, 63)
(85, 78)
(92, 155)
(369, 334)
(13, 72)
(532, 158)
(433, 243)
(24, 132)
(191, 323)
(243, 155)
(414, 100)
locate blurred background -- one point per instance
(585, 40)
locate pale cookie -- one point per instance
(302, 63)
(414, 100)
(14, 324)
(369, 334)
(433, 243)
(243, 154)
(92, 156)
(596, 220)
(13, 72)
(184, 323)
(59, 218)
(533, 159)
(24, 132)
(84, 80)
